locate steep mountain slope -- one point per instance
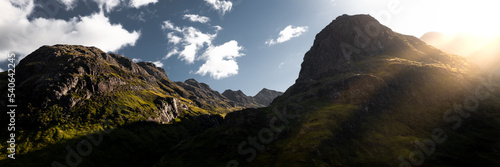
(241, 98)
(365, 96)
(65, 92)
(266, 96)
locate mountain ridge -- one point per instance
(64, 91)
(365, 96)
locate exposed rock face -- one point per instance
(241, 99)
(151, 69)
(266, 96)
(54, 73)
(170, 109)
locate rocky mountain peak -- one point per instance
(349, 40)
(266, 96)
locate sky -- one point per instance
(229, 44)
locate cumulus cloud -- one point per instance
(220, 60)
(221, 6)
(139, 3)
(192, 41)
(196, 18)
(23, 36)
(288, 33)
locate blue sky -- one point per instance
(228, 44)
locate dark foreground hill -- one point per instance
(365, 96)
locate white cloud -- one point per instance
(173, 38)
(1, 70)
(192, 41)
(139, 3)
(23, 36)
(281, 64)
(70, 4)
(220, 5)
(174, 51)
(108, 4)
(136, 60)
(158, 63)
(196, 18)
(220, 60)
(288, 33)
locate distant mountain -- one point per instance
(482, 51)
(266, 96)
(241, 99)
(261, 99)
(365, 96)
(204, 96)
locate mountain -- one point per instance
(266, 96)
(261, 99)
(67, 92)
(482, 51)
(241, 99)
(83, 83)
(365, 96)
(204, 96)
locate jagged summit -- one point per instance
(241, 98)
(266, 96)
